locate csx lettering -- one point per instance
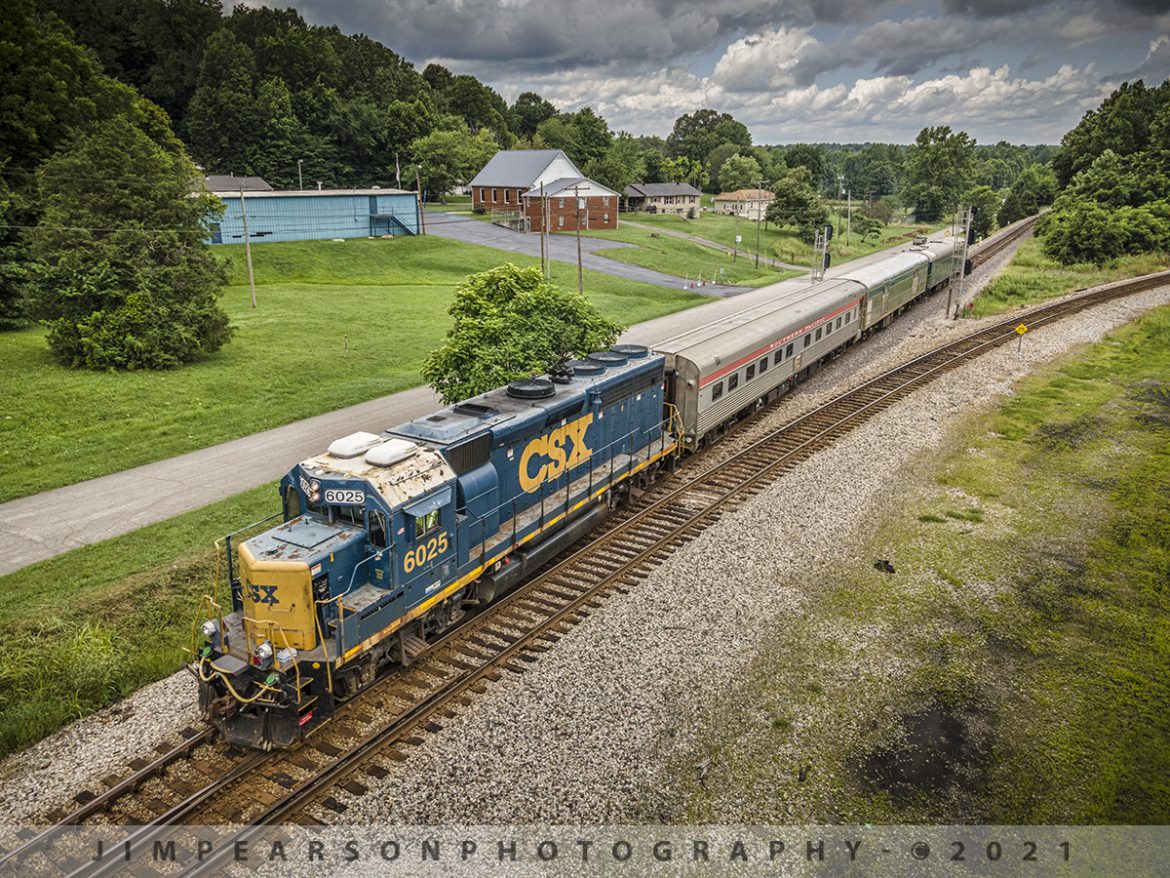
(424, 553)
(550, 453)
(264, 594)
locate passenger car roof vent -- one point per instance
(609, 358)
(632, 351)
(585, 367)
(532, 388)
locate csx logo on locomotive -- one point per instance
(549, 452)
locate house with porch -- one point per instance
(673, 198)
(749, 203)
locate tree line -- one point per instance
(109, 102)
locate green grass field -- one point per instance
(336, 324)
(783, 244)
(680, 257)
(1032, 277)
(1012, 669)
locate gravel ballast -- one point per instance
(581, 736)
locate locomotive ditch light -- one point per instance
(211, 634)
(263, 656)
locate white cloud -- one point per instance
(764, 60)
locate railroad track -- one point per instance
(1000, 242)
(383, 724)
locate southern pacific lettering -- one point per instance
(546, 457)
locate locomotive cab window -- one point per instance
(733, 382)
(377, 530)
(717, 391)
(424, 524)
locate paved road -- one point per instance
(564, 248)
(44, 525)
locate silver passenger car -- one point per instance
(753, 356)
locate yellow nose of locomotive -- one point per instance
(278, 601)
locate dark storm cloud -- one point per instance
(567, 34)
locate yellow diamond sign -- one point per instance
(1021, 329)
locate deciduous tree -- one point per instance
(511, 323)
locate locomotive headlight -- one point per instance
(314, 491)
(263, 655)
(211, 635)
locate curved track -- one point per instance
(385, 721)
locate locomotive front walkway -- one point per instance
(45, 525)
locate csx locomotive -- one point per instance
(386, 540)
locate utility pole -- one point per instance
(735, 251)
(248, 248)
(300, 177)
(543, 250)
(422, 213)
(759, 189)
(848, 216)
(580, 270)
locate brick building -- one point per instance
(509, 188)
(569, 201)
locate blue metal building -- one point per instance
(316, 215)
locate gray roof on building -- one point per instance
(516, 167)
(224, 182)
(658, 190)
(557, 187)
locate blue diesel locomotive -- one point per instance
(387, 540)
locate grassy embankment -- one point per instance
(677, 256)
(1012, 670)
(783, 244)
(1032, 277)
(99, 622)
(337, 324)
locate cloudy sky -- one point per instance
(792, 70)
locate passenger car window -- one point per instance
(733, 382)
(763, 365)
(717, 391)
(818, 334)
(777, 357)
(807, 340)
(751, 372)
(788, 352)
